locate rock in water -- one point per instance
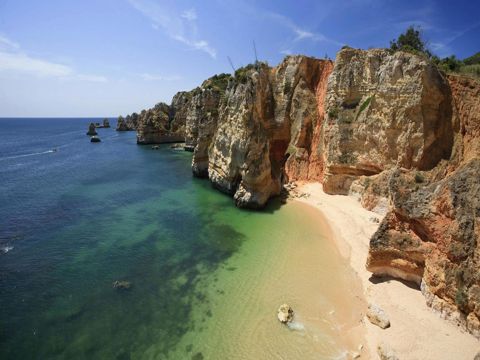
(95, 139)
(377, 316)
(285, 314)
(106, 123)
(91, 130)
(122, 284)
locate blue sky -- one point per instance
(111, 57)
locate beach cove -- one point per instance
(206, 278)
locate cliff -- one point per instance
(128, 123)
(389, 128)
(431, 233)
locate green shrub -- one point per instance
(419, 178)
(333, 112)
(461, 299)
(347, 158)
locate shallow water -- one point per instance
(206, 278)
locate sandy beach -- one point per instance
(416, 331)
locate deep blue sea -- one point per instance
(77, 216)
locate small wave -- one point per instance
(6, 249)
(297, 326)
(31, 154)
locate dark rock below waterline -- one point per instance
(95, 139)
(122, 284)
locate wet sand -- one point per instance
(289, 258)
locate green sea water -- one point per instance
(206, 278)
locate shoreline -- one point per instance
(416, 331)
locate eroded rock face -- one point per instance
(128, 123)
(383, 110)
(239, 161)
(431, 236)
(202, 120)
(156, 126)
(268, 129)
(300, 85)
(431, 233)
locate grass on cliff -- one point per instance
(217, 83)
(242, 74)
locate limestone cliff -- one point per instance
(383, 110)
(128, 123)
(388, 127)
(268, 129)
(161, 124)
(431, 233)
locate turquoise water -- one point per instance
(206, 278)
(75, 220)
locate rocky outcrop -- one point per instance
(202, 120)
(383, 110)
(268, 119)
(431, 233)
(128, 123)
(300, 87)
(91, 130)
(156, 125)
(106, 123)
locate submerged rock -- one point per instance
(377, 316)
(91, 130)
(285, 314)
(122, 284)
(95, 139)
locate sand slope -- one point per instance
(416, 331)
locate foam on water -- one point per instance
(6, 249)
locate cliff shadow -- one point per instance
(378, 279)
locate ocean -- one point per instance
(205, 278)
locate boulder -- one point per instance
(95, 139)
(377, 316)
(285, 314)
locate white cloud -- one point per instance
(13, 60)
(286, 52)
(7, 43)
(19, 62)
(154, 77)
(180, 27)
(190, 15)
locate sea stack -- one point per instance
(91, 130)
(106, 123)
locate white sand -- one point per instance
(416, 331)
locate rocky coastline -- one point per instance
(387, 127)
